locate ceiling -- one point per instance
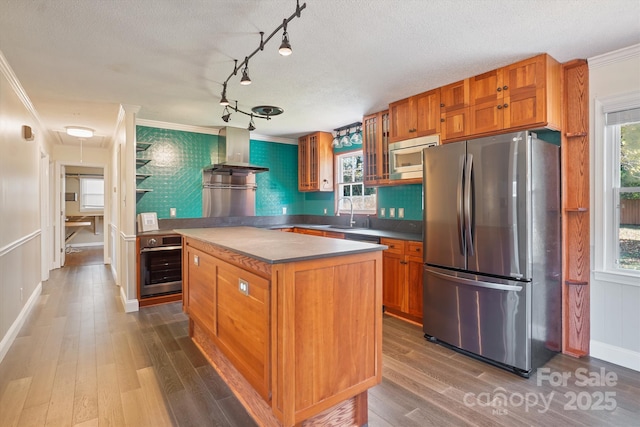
(79, 60)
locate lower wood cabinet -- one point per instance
(402, 278)
(232, 305)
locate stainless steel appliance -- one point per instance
(492, 249)
(229, 185)
(405, 157)
(160, 265)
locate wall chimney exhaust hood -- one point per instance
(233, 153)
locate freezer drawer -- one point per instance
(486, 316)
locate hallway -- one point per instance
(80, 360)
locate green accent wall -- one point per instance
(176, 162)
(408, 197)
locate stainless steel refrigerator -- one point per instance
(492, 239)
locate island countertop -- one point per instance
(276, 247)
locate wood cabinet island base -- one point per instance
(298, 339)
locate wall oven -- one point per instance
(405, 157)
(160, 265)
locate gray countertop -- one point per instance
(356, 231)
(276, 247)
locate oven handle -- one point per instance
(161, 248)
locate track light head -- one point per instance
(226, 115)
(285, 46)
(245, 80)
(223, 99)
(251, 125)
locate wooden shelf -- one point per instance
(143, 190)
(576, 209)
(575, 199)
(142, 176)
(142, 162)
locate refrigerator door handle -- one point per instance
(462, 280)
(468, 191)
(459, 202)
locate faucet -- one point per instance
(351, 221)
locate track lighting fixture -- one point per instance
(261, 112)
(285, 46)
(226, 115)
(350, 137)
(245, 80)
(223, 99)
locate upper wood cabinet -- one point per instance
(454, 110)
(315, 162)
(519, 96)
(416, 116)
(375, 148)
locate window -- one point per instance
(91, 194)
(623, 138)
(351, 187)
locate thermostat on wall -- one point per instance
(147, 221)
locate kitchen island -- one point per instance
(293, 323)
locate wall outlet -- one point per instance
(400, 212)
(392, 212)
(243, 286)
(382, 212)
(325, 211)
(284, 210)
(21, 294)
(172, 212)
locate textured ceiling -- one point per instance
(78, 60)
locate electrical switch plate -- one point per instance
(382, 212)
(284, 210)
(400, 212)
(325, 211)
(172, 212)
(196, 260)
(392, 212)
(243, 286)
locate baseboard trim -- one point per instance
(614, 354)
(130, 305)
(13, 331)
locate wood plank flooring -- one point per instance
(81, 361)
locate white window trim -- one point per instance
(604, 213)
(81, 195)
(337, 195)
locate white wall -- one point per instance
(20, 206)
(615, 298)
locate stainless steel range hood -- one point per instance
(233, 154)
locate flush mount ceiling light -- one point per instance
(79, 132)
(349, 138)
(260, 112)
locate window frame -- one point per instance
(605, 177)
(83, 194)
(338, 185)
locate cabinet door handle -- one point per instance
(404, 262)
(505, 87)
(412, 130)
(499, 89)
(442, 120)
(505, 105)
(441, 105)
(499, 107)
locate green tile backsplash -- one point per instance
(176, 162)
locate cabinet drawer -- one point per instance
(395, 246)
(414, 248)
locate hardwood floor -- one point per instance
(80, 360)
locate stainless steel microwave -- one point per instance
(405, 157)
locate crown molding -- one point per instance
(614, 57)
(15, 84)
(176, 126)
